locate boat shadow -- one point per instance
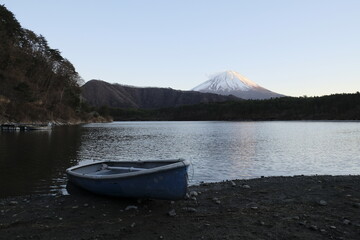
(76, 191)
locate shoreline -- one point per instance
(298, 207)
(107, 120)
(57, 123)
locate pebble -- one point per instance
(131, 207)
(313, 227)
(14, 203)
(172, 213)
(346, 221)
(246, 186)
(289, 200)
(233, 183)
(133, 225)
(193, 194)
(190, 209)
(332, 227)
(216, 200)
(322, 203)
(86, 205)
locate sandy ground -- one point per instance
(300, 207)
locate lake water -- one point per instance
(35, 162)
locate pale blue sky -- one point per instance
(293, 47)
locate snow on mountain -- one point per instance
(227, 81)
(233, 83)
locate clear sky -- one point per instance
(293, 47)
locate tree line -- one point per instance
(331, 107)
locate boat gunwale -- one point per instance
(174, 163)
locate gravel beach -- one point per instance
(299, 207)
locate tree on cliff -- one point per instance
(36, 82)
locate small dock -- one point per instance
(12, 127)
(24, 127)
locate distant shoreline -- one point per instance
(58, 122)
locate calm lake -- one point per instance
(35, 162)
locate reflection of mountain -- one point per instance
(239, 140)
(35, 162)
(223, 150)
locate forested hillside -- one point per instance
(332, 107)
(37, 84)
(99, 93)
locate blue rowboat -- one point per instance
(162, 179)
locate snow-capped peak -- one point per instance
(233, 83)
(226, 82)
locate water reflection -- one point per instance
(228, 150)
(36, 161)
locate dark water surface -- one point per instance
(35, 162)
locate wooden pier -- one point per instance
(24, 127)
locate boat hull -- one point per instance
(166, 183)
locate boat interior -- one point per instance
(112, 167)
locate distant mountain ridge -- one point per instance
(233, 83)
(100, 93)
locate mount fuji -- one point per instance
(233, 83)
